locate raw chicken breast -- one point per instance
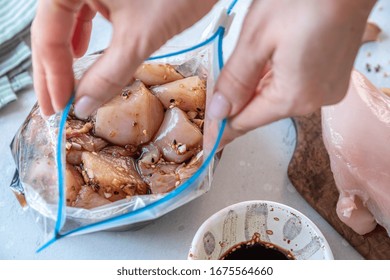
(88, 142)
(185, 171)
(188, 94)
(150, 154)
(131, 118)
(73, 156)
(156, 74)
(74, 181)
(114, 175)
(356, 134)
(82, 142)
(178, 138)
(128, 151)
(89, 199)
(161, 177)
(77, 127)
(159, 174)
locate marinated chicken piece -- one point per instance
(89, 199)
(74, 181)
(75, 146)
(116, 151)
(156, 74)
(74, 156)
(178, 139)
(161, 177)
(356, 134)
(188, 94)
(76, 128)
(185, 171)
(159, 174)
(196, 118)
(165, 167)
(165, 176)
(87, 142)
(150, 154)
(100, 151)
(161, 182)
(113, 176)
(132, 118)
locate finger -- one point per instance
(113, 70)
(40, 85)
(237, 83)
(264, 108)
(239, 78)
(82, 31)
(259, 112)
(105, 78)
(137, 32)
(52, 32)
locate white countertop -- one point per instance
(253, 167)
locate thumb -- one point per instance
(264, 107)
(236, 85)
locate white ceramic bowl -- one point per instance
(276, 223)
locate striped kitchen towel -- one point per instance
(15, 53)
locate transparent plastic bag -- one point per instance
(39, 152)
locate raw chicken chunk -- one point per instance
(77, 127)
(128, 151)
(132, 118)
(356, 134)
(188, 94)
(88, 142)
(82, 142)
(89, 199)
(116, 176)
(156, 172)
(156, 74)
(161, 177)
(74, 182)
(185, 171)
(178, 138)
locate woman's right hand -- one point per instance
(307, 48)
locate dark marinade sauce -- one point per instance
(256, 249)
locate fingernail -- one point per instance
(85, 106)
(219, 107)
(44, 116)
(57, 108)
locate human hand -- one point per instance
(61, 31)
(292, 57)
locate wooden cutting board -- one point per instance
(310, 173)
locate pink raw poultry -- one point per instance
(356, 134)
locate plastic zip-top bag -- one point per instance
(143, 154)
